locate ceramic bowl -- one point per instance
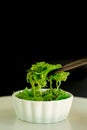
(42, 111)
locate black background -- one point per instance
(51, 38)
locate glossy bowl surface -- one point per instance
(42, 111)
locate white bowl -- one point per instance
(42, 111)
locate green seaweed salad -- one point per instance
(42, 84)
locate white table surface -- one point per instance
(77, 119)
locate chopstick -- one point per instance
(73, 64)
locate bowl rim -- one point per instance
(20, 99)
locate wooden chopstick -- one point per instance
(73, 64)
